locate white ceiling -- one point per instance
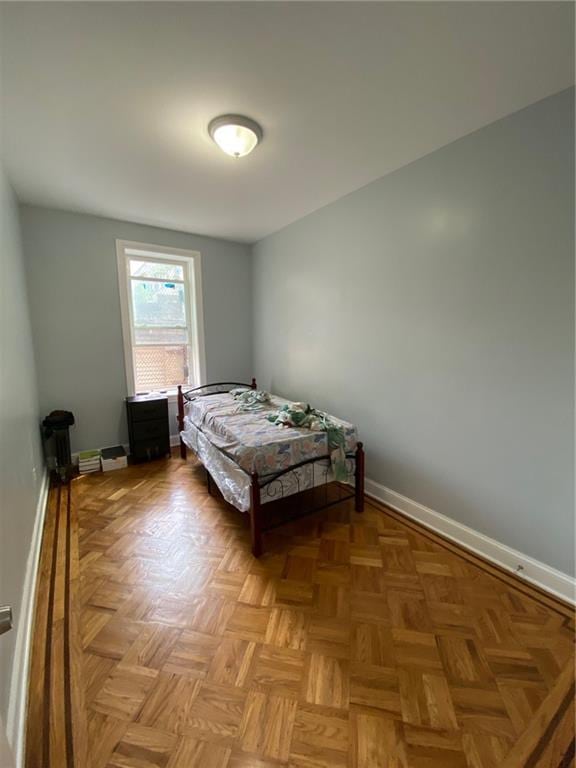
(105, 105)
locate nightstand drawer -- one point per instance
(147, 411)
(150, 430)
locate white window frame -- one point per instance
(192, 263)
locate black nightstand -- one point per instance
(148, 427)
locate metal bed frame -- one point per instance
(355, 460)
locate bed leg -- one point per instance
(359, 478)
(255, 521)
(181, 421)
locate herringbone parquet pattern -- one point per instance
(355, 641)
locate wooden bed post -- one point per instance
(359, 478)
(255, 522)
(253, 385)
(181, 421)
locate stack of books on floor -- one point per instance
(88, 461)
(114, 458)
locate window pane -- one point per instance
(161, 336)
(161, 270)
(158, 304)
(160, 367)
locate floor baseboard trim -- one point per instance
(17, 704)
(532, 571)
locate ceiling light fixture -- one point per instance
(235, 134)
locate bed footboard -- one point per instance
(256, 527)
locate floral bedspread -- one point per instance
(252, 441)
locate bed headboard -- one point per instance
(215, 388)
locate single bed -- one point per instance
(254, 462)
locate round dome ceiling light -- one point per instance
(235, 134)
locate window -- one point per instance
(161, 303)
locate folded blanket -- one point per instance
(301, 415)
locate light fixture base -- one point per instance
(236, 135)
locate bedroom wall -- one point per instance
(435, 309)
(21, 464)
(73, 284)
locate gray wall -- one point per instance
(435, 308)
(73, 285)
(21, 465)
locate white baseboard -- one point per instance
(18, 701)
(533, 571)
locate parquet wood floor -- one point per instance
(356, 641)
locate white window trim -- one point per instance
(193, 264)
